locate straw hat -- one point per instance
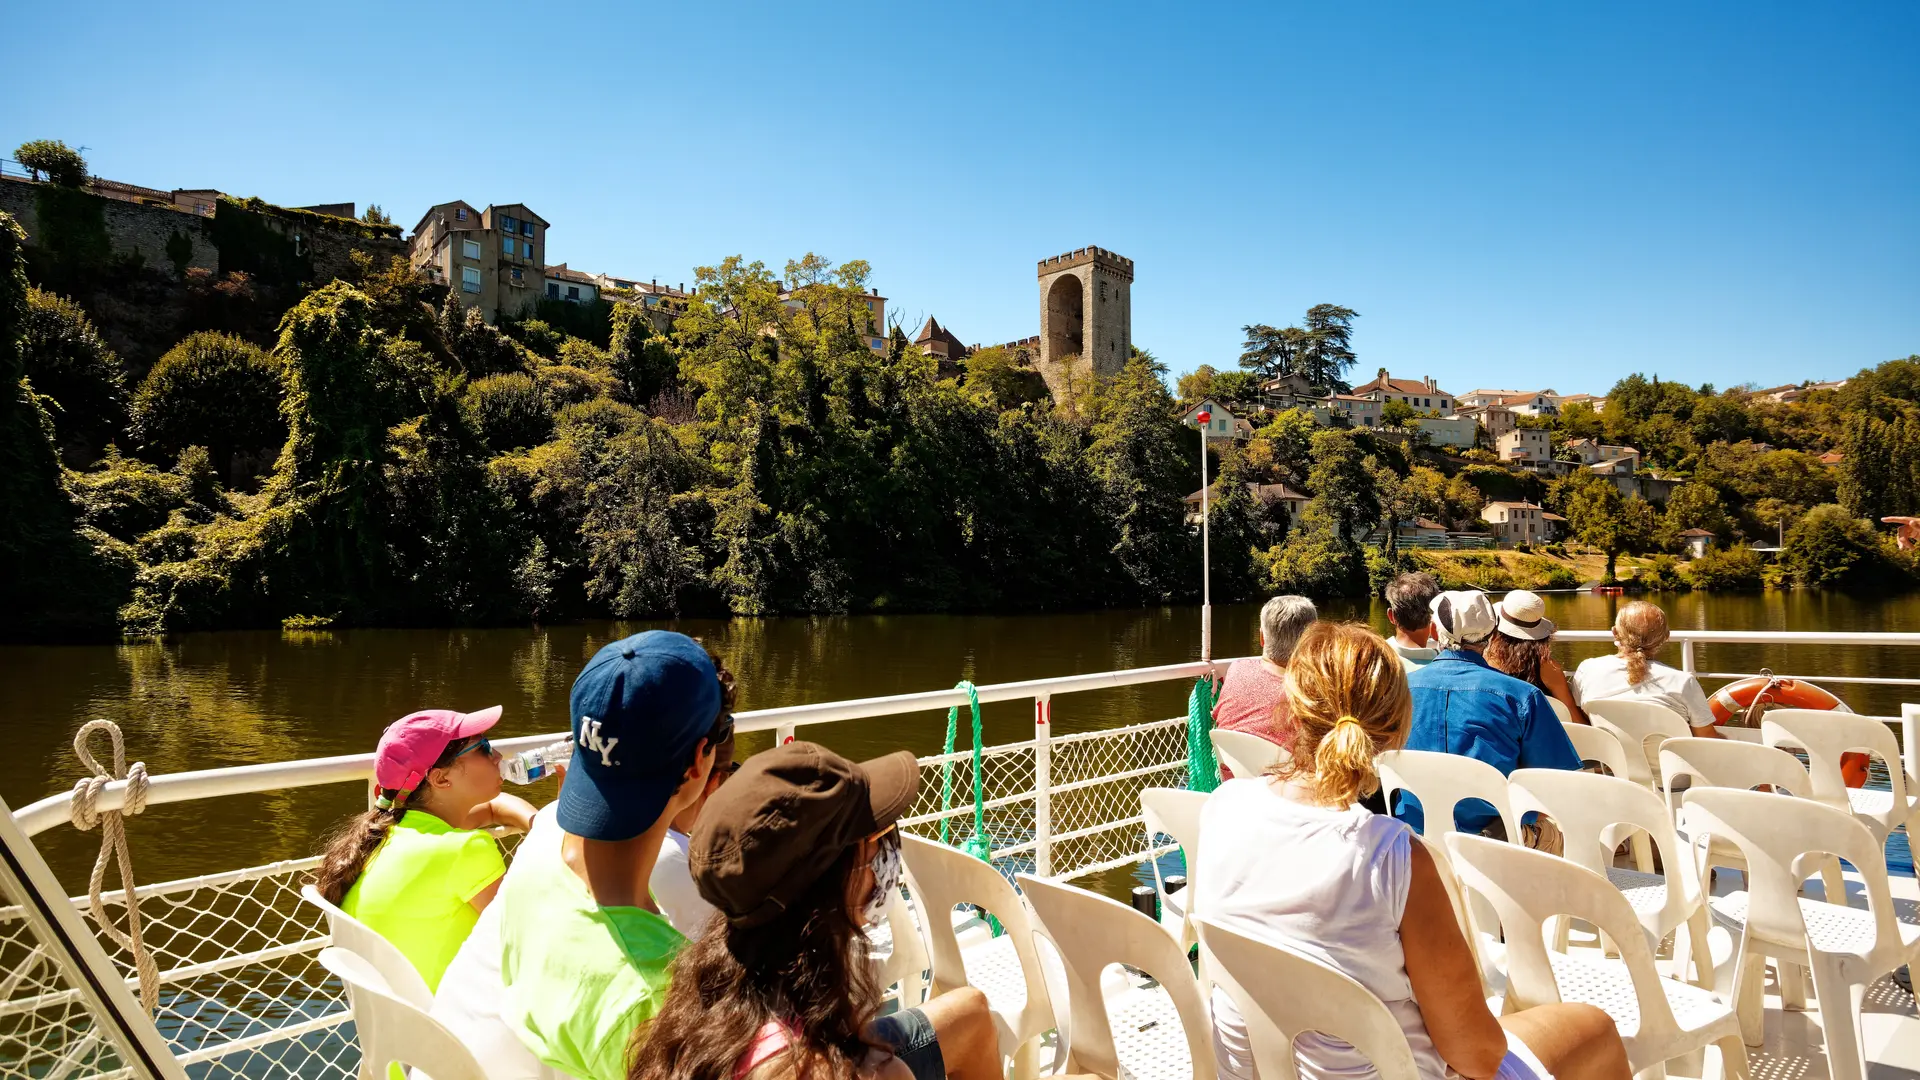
(1524, 615)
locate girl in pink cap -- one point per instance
(416, 868)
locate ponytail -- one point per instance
(1639, 631)
(348, 849)
(1350, 701)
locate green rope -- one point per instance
(980, 844)
(1203, 772)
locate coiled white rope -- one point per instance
(113, 839)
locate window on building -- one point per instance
(526, 228)
(470, 249)
(506, 246)
(553, 290)
(460, 214)
(573, 292)
(506, 223)
(526, 246)
(516, 278)
(470, 279)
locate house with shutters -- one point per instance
(1422, 395)
(1516, 522)
(1220, 424)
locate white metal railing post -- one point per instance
(1686, 656)
(783, 734)
(1043, 786)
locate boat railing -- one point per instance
(242, 995)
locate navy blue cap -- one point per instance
(639, 708)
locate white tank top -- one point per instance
(1331, 884)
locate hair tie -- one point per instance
(383, 801)
(1346, 720)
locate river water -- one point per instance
(217, 699)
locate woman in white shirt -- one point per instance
(1639, 632)
(1290, 857)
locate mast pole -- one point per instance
(1206, 551)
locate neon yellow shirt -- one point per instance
(415, 890)
(579, 977)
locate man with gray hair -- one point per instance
(1253, 697)
(1408, 599)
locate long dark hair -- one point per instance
(798, 969)
(347, 848)
(1518, 657)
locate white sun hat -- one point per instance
(1524, 615)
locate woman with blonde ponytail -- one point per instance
(1639, 633)
(1291, 857)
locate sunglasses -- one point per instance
(483, 746)
(721, 731)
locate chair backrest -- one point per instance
(907, 964)
(1175, 812)
(1586, 806)
(1728, 763)
(942, 878)
(1825, 736)
(1529, 887)
(393, 1029)
(357, 937)
(1245, 753)
(1093, 932)
(1282, 994)
(1442, 781)
(1596, 744)
(1784, 840)
(1640, 725)
(1560, 709)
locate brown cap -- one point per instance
(786, 817)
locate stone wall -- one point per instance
(138, 229)
(133, 228)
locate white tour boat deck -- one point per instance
(236, 990)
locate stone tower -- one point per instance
(1086, 318)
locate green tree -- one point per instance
(375, 216)
(1829, 547)
(1697, 506)
(1397, 415)
(1137, 454)
(211, 390)
(1867, 479)
(82, 379)
(1341, 482)
(53, 160)
(1601, 518)
(995, 377)
(1321, 350)
(644, 362)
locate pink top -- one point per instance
(772, 1038)
(1254, 699)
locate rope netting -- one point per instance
(46, 1028)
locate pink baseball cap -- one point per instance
(411, 744)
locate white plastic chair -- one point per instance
(1176, 813)
(1640, 725)
(1007, 969)
(1825, 736)
(1441, 782)
(1588, 808)
(1782, 840)
(1560, 709)
(1160, 1031)
(905, 963)
(1243, 753)
(1725, 763)
(396, 971)
(1282, 995)
(1597, 744)
(1659, 1019)
(393, 1030)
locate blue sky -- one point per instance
(1511, 195)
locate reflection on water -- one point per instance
(209, 700)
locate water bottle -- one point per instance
(529, 765)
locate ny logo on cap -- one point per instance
(590, 739)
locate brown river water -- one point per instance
(207, 700)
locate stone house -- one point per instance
(1530, 448)
(1423, 395)
(1360, 410)
(491, 259)
(1290, 391)
(1697, 541)
(571, 285)
(1495, 420)
(941, 344)
(1516, 522)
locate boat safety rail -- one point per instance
(38, 817)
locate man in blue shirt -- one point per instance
(1462, 706)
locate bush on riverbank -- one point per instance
(1730, 570)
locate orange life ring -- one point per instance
(1735, 699)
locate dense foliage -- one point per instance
(54, 160)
